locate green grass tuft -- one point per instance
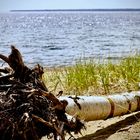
(92, 78)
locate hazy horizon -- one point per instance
(94, 10)
(8, 5)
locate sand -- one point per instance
(126, 127)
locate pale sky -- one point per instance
(6, 5)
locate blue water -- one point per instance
(61, 38)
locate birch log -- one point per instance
(102, 107)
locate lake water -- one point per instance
(61, 38)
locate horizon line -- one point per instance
(98, 9)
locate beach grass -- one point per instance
(93, 78)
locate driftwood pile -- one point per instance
(28, 111)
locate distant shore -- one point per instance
(81, 10)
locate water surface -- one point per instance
(61, 38)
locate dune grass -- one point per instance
(91, 78)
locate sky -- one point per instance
(7, 5)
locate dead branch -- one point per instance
(27, 109)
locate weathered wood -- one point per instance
(4, 70)
(27, 109)
(4, 58)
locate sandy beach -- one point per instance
(126, 127)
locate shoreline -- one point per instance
(79, 10)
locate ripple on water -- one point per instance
(58, 39)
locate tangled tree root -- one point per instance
(28, 110)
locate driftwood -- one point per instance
(27, 109)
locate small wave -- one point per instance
(105, 49)
(114, 57)
(51, 47)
